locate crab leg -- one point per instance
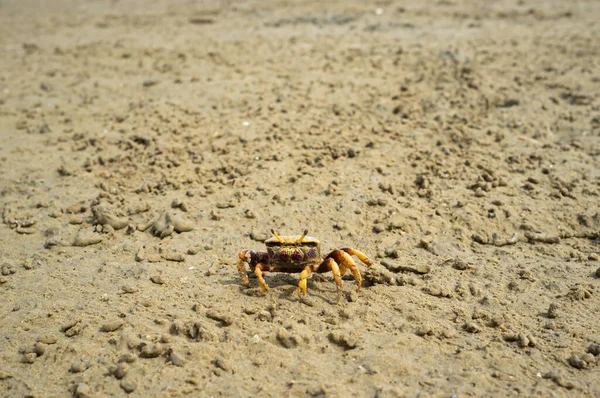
(243, 258)
(261, 281)
(302, 284)
(331, 265)
(361, 256)
(345, 260)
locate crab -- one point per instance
(299, 254)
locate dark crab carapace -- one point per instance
(299, 254)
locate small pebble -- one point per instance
(47, 339)
(8, 269)
(577, 362)
(255, 339)
(593, 257)
(121, 370)
(140, 255)
(552, 310)
(83, 390)
(523, 340)
(78, 366)
(171, 256)
(225, 319)
(128, 358)
(157, 279)
(308, 300)
(112, 326)
(471, 327)
(128, 386)
(378, 228)
(70, 324)
(222, 363)
(424, 330)
(39, 348)
(193, 250)
(128, 289)
(29, 357)
(176, 359)
(151, 351)
(353, 296)
(594, 349)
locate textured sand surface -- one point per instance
(145, 143)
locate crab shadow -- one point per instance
(285, 287)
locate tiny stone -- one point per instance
(121, 370)
(308, 300)
(151, 351)
(140, 255)
(83, 390)
(176, 359)
(128, 358)
(593, 257)
(552, 310)
(226, 319)
(353, 296)
(471, 327)
(47, 339)
(29, 357)
(112, 326)
(157, 279)
(127, 386)
(523, 340)
(39, 348)
(577, 362)
(588, 358)
(254, 339)
(170, 256)
(424, 330)
(378, 228)
(78, 366)
(222, 363)
(128, 289)
(8, 269)
(598, 272)
(193, 250)
(532, 341)
(70, 324)
(594, 349)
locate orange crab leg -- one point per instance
(302, 284)
(361, 256)
(335, 270)
(241, 267)
(261, 281)
(345, 260)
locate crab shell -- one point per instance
(292, 252)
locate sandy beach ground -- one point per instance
(143, 144)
